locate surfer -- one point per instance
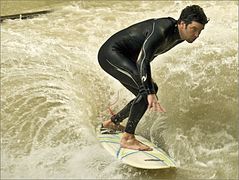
(127, 55)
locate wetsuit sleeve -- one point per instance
(146, 55)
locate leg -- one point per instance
(126, 72)
(124, 113)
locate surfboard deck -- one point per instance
(155, 159)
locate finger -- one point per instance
(154, 106)
(158, 108)
(149, 106)
(162, 109)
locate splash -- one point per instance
(53, 91)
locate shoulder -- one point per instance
(165, 23)
(144, 23)
(167, 20)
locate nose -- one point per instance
(196, 35)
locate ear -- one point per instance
(181, 24)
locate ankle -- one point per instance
(107, 122)
(128, 136)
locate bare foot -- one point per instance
(130, 142)
(110, 125)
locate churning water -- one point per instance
(54, 94)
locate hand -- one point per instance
(154, 104)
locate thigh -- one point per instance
(121, 68)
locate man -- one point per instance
(127, 55)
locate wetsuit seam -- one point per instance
(124, 72)
(143, 48)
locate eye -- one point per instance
(194, 29)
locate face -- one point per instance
(190, 32)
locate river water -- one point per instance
(54, 94)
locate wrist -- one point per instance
(150, 91)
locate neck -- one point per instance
(177, 34)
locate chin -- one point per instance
(190, 41)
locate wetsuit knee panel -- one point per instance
(142, 96)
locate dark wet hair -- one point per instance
(193, 13)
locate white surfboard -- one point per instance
(155, 159)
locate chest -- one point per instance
(165, 46)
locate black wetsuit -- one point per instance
(127, 55)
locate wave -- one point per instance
(54, 94)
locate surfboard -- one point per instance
(155, 159)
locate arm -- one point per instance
(146, 55)
(143, 63)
